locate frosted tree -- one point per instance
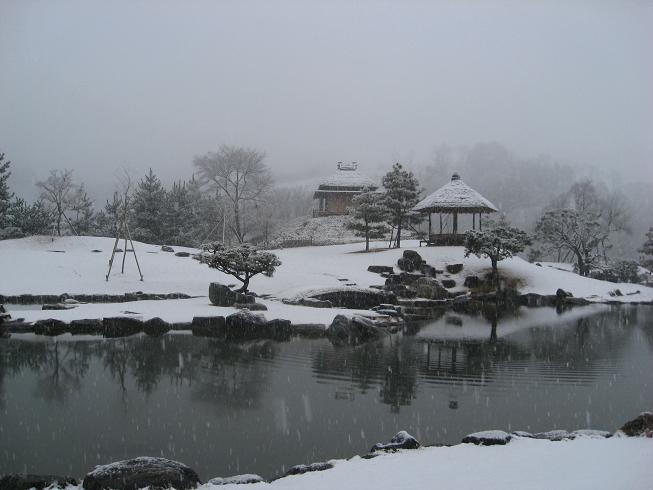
(242, 262)
(58, 190)
(241, 178)
(82, 213)
(30, 219)
(647, 252)
(400, 196)
(498, 241)
(5, 194)
(147, 204)
(368, 215)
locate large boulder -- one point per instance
(133, 474)
(245, 325)
(640, 425)
(121, 326)
(50, 327)
(430, 288)
(413, 257)
(472, 282)
(156, 327)
(448, 283)
(354, 329)
(488, 438)
(355, 298)
(454, 268)
(554, 435)
(26, 481)
(221, 295)
(279, 329)
(401, 440)
(209, 326)
(250, 306)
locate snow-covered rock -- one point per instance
(401, 440)
(236, 480)
(488, 438)
(141, 472)
(554, 435)
(640, 425)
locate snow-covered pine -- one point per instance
(5, 193)
(368, 215)
(497, 241)
(242, 262)
(400, 196)
(82, 215)
(647, 251)
(147, 206)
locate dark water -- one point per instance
(69, 403)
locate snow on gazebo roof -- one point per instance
(455, 196)
(347, 176)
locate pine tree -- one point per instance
(5, 194)
(148, 208)
(108, 220)
(401, 195)
(31, 219)
(647, 251)
(368, 215)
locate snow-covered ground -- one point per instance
(523, 464)
(31, 265)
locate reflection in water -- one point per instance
(225, 408)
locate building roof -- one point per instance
(455, 196)
(347, 177)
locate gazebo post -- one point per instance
(473, 221)
(455, 222)
(480, 223)
(429, 237)
(440, 222)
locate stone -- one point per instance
(26, 481)
(554, 435)
(409, 278)
(488, 438)
(414, 257)
(132, 474)
(353, 329)
(182, 254)
(427, 270)
(562, 294)
(279, 329)
(155, 327)
(523, 433)
(50, 327)
(472, 282)
(405, 265)
(251, 306)
(454, 268)
(592, 433)
(92, 326)
(244, 325)
(166, 248)
(57, 306)
(236, 480)
(577, 301)
(360, 299)
(430, 288)
(221, 295)
(640, 425)
(448, 283)
(300, 469)
(312, 330)
(208, 326)
(616, 292)
(315, 303)
(380, 269)
(393, 279)
(401, 440)
(121, 326)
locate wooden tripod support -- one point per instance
(126, 234)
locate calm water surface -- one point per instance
(69, 403)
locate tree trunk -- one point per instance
(245, 285)
(399, 233)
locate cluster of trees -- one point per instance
(374, 214)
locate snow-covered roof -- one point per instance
(455, 195)
(347, 176)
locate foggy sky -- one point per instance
(95, 86)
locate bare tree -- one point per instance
(59, 191)
(240, 176)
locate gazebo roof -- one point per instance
(455, 196)
(347, 177)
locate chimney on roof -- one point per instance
(455, 176)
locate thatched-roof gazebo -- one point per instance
(453, 199)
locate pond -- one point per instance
(69, 403)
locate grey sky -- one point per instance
(96, 85)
